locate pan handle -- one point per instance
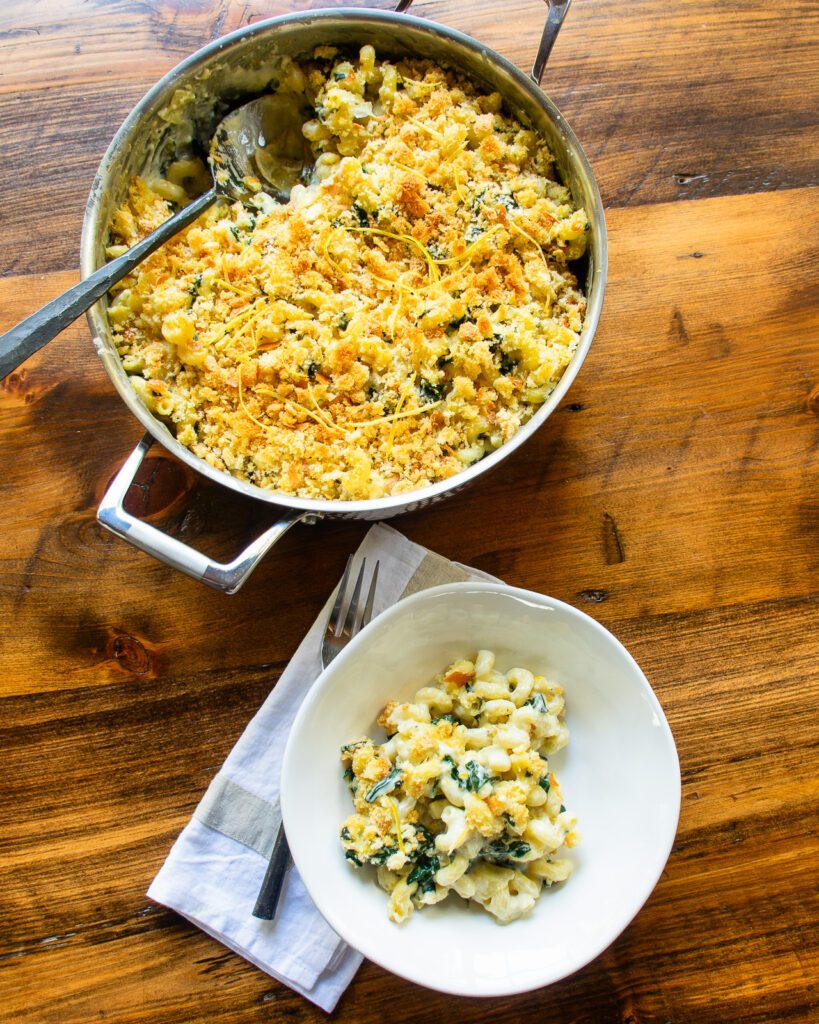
(558, 9)
(227, 577)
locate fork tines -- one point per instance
(356, 617)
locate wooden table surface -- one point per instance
(672, 496)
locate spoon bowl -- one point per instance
(256, 155)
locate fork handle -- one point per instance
(270, 893)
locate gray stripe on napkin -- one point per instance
(232, 810)
(434, 570)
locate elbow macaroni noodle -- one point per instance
(403, 315)
(460, 798)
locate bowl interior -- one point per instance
(188, 102)
(619, 773)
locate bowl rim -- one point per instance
(316, 693)
(391, 504)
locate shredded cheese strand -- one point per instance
(534, 241)
(434, 275)
(239, 291)
(225, 343)
(343, 274)
(404, 395)
(467, 253)
(425, 127)
(397, 818)
(223, 330)
(287, 401)
(325, 417)
(326, 250)
(399, 415)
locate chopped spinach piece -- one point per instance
(344, 321)
(445, 718)
(424, 838)
(423, 873)
(311, 370)
(508, 364)
(348, 748)
(348, 774)
(351, 856)
(501, 852)
(193, 291)
(339, 76)
(443, 361)
(508, 200)
(382, 856)
(476, 775)
(562, 809)
(538, 702)
(430, 392)
(346, 835)
(455, 324)
(235, 232)
(544, 783)
(362, 215)
(386, 785)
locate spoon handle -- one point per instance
(35, 331)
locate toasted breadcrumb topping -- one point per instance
(400, 317)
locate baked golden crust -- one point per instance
(399, 318)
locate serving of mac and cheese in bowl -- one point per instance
(482, 790)
(404, 320)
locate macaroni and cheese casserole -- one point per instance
(461, 797)
(400, 316)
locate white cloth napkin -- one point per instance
(214, 870)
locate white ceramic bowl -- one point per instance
(619, 774)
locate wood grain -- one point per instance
(670, 101)
(672, 495)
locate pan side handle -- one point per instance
(558, 10)
(227, 577)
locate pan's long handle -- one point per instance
(37, 330)
(227, 577)
(557, 12)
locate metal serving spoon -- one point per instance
(244, 163)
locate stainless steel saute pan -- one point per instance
(230, 69)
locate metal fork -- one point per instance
(342, 626)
